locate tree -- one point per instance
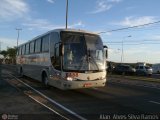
(9, 55)
(12, 53)
(4, 53)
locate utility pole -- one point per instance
(66, 14)
(18, 29)
(122, 52)
(122, 55)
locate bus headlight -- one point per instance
(103, 77)
(69, 78)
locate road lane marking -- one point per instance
(36, 100)
(51, 100)
(154, 102)
(46, 106)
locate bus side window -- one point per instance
(45, 43)
(54, 50)
(54, 38)
(27, 48)
(20, 50)
(23, 49)
(38, 46)
(31, 50)
(57, 63)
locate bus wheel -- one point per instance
(45, 80)
(21, 72)
(123, 73)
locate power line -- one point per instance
(125, 28)
(144, 29)
(137, 42)
(133, 41)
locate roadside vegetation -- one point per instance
(9, 56)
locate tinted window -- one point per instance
(32, 47)
(23, 49)
(38, 45)
(45, 43)
(20, 50)
(126, 67)
(27, 48)
(54, 38)
(141, 67)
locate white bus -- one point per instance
(64, 58)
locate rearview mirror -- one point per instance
(61, 49)
(106, 51)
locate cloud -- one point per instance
(104, 5)
(12, 9)
(43, 24)
(132, 55)
(112, 51)
(40, 24)
(156, 37)
(101, 7)
(142, 54)
(78, 24)
(51, 1)
(130, 8)
(9, 42)
(116, 1)
(134, 21)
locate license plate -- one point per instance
(87, 84)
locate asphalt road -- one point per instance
(16, 105)
(118, 99)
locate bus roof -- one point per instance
(60, 30)
(75, 30)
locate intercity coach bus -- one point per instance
(64, 58)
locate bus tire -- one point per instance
(123, 73)
(21, 72)
(45, 79)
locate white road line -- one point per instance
(54, 102)
(46, 106)
(154, 102)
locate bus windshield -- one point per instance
(82, 52)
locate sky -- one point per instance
(34, 17)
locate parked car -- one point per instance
(156, 68)
(124, 69)
(110, 68)
(143, 70)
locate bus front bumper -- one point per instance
(64, 84)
